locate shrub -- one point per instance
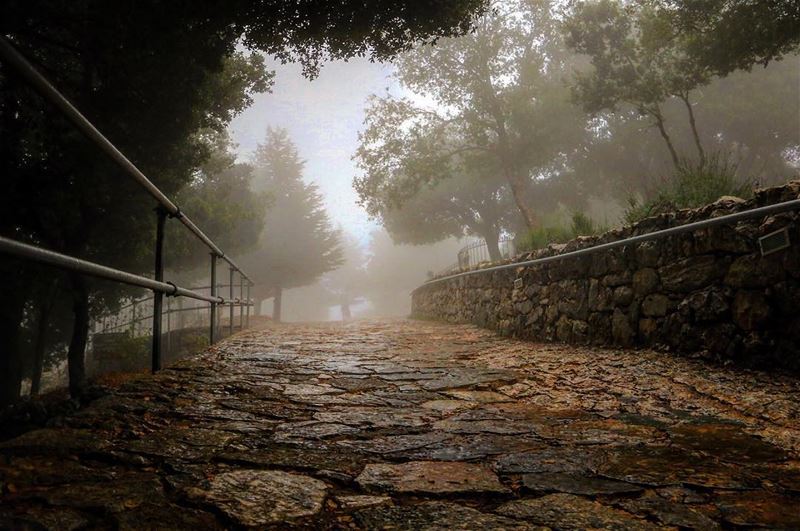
(694, 184)
(581, 225)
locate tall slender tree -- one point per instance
(298, 244)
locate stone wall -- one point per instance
(709, 292)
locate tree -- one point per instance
(298, 244)
(636, 60)
(223, 202)
(460, 202)
(749, 116)
(496, 92)
(725, 36)
(150, 74)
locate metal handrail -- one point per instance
(44, 256)
(142, 300)
(650, 236)
(166, 208)
(9, 54)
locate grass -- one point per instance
(580, 225)
(694, 184)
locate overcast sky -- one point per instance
(323, 117)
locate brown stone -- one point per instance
(690, 273)
(762, 509)
(621, 329)
(750, 309)
(255, 498)
(576, 484)
(436, 516)
(645, 281)
(647, 329)
(755, 271)
(430, 477)
(623, 296)
(565, 511)
(655, 305)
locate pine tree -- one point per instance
(298, 244)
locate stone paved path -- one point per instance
(415, 425)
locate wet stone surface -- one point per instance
(400, 424)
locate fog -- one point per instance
(601, 163)
(343, 167)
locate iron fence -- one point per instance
(165, 209)
(478, 252)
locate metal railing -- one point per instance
(477, 252)
(128, 316)
(166, 208)
(727, 219)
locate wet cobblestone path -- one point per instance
(416, 425)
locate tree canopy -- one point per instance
(725, 36)
(498, 107)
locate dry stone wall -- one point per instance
(708, 292)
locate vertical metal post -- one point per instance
(181, 325)
(212, 336)
(133, 319)
(242, 301)
(169, 327)
(248, 305)
(158, 297)
(230, 294)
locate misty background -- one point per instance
(456, 133)
(323, 117)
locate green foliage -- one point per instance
(693, 185)
(558, 232)
(582, 225)
(636, 57)
(222, 202)
(543, 236)
(501, 117)
(725, 35)
(637, 60)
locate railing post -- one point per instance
(212, 336)
(241, 302)
(230, 294)
(248, 304)
(168, 350)
(133, 318)
(158, 297)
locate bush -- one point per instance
(581, 225)
(694, 184)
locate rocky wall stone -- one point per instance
(709, 292)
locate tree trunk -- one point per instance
(492, 239)
(80, 332)
(276, 305)
(346, 315)
(39, 346)
(663, 131)
(11, 312)
(520, 191)
(519, 184)
(695, 134)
